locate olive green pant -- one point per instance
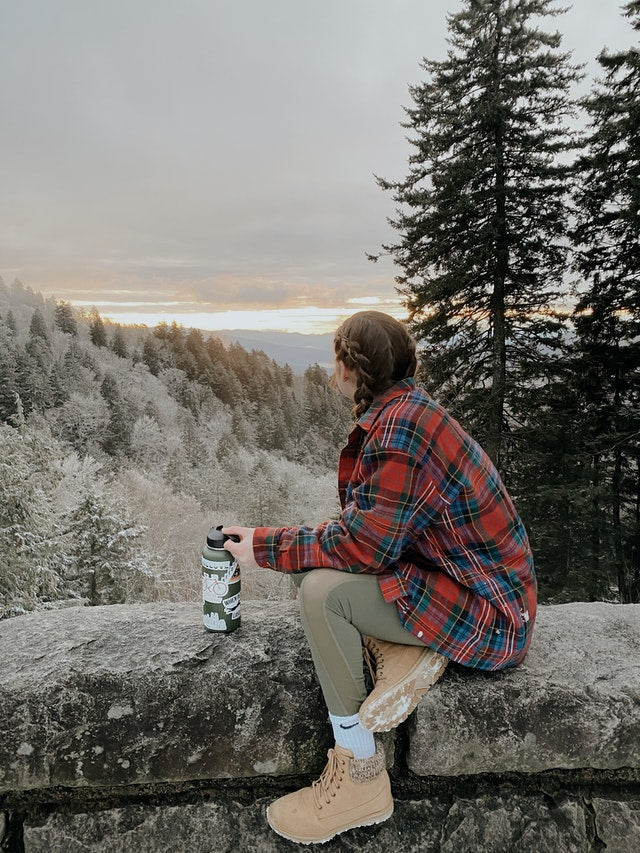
(336, 610)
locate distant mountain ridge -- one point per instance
(297, 350)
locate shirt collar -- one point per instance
(403, 387)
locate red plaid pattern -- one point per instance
(424, 508)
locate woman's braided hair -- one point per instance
(379, 350)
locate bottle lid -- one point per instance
(216, 538)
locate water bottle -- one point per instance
(220, 584)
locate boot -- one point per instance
(350, 792)
(402, 675)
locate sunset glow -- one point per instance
(304, 320)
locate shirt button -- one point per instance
(419, 633)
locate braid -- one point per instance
(356, 360)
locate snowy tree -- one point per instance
(28, 528)
(119, 344)
(108, 561)
(65, 319)
(97, 331)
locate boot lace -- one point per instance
(374, 659)
(324, 788)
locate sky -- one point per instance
(214, 161)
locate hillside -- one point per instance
(121, 446)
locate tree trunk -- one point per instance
(595, 529)
(635, 548)
(498, 343)
(620, 562)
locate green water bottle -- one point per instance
(220, 584)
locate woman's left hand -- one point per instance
(242, 550)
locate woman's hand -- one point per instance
(242, 550)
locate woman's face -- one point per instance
(345, 379)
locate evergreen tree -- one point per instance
(116, 440)
(35, 365)
(192, 445)
(10, 321)
(482, 216)
(65, 318)
(97, 331)
(607, 316)
(553, 492)
(59, 383)
(108, 560)
(28, 552)
(38, 332)
(8, 372)
(38, 343)
(118, 343)
(79, 370)
(150, 355)
(326, 413)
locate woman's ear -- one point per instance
(346, 373)
(346, 379)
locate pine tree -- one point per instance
(118, 343)
(10, 321)
(38, 331)
(607, 316)
(482, 214)
(8, 372)
(109, 562)
(97, 332)
(28, 553)
(116, 440)
(150, 355)
(65, 318)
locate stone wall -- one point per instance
(129, 728)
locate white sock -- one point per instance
(351, 734)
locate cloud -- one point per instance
(216, 153)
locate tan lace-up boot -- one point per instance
(402, 675)
(350, 792)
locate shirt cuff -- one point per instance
(265, 546)
(392, 587)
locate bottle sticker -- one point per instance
(213, 589)
(214, 623)
(218, 565)
(225, 570)
(230, 604)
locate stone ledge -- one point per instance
(140, 694)
(573, 703)
(133, 694)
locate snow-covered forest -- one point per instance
(120, 447)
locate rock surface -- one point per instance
(133, 694)
(573, 703)
(130, 694)
(618, 825)
(492, 824)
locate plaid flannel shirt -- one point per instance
(424, 509)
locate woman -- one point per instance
(428, 562)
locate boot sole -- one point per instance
(393, 707)
(371, 821)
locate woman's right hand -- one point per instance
(242, 550)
